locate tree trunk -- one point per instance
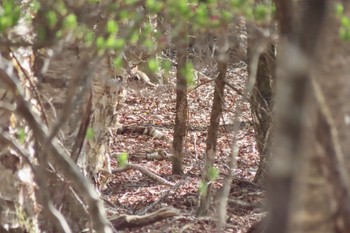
(18, 203)
(216, 113)
(261, 107)
(180, 129)
(262, 96)
(76, 96)
(331, 87)
(293, 166)
(68, 105)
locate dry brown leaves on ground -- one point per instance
(131, 192)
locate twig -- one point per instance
(201, 84)
(235, 89)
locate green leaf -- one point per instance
(226, 15)
(201, 15)
(112, 27)
(134, 37)
(51, 19)
(238, 3)
(59, 34)
(111, 42)
(124, 14)
(89, 133)
(60, 7)
(182, 6)
(21, 135)
(100, 42)
(9, 14)
(339, 9)
(34, 5)
(249, 13)
(122, 159)
(119, 43)
(130, 2)
(89, 38)
(152, 65)
(70, 21)
(261, 11)
(213, 173)
(5, 23)
(189, 74)
(153, 6)
(118, 62)
(345, 21)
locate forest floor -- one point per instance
(132, 192)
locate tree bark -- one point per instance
(262, 95)
(180, 129)
(290, 168)
(261, 107)
(216, 113)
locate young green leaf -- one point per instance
(345, 21)
(201, 15)
(70, 21)
(152, 65)
(118, 62)
(134, 37)
(154, 6)
(213, 173)
(112, 27)
(89, 38)
(9, 14)
(51, 19)
(100, 42)
(261, 11)
(339, 9)
(21, 135)
(122, 159)
(189, 74)
(89, 133)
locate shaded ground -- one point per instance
(131, 192)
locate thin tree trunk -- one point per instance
(262, 94)
(180, 129)
(261, 107)
(216, 113)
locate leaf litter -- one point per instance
(131, 192)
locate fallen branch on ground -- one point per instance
(143, 171)
(130, 221)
